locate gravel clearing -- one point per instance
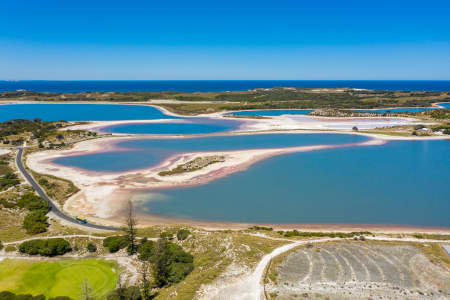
(359, 270)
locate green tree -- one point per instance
(171, 264)
(183, 234)
(130, 228)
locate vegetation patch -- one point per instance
(45, 247)
(56, 188)
(194, 165)
(8, 180)
(5, 160)
(115, 243)
(296, 233)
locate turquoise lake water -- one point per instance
(144, 153)
(279, 112)
(116, 112)
(80, 112)
(402, 182)
(189, 126)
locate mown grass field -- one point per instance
(58, 278)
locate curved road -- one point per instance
(53, 207)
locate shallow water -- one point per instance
(403, 182)
(117, 112)
(144, 153)
(80, 112)
(187, 126)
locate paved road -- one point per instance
(55, 210)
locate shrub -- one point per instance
(132, 292)
(166, 235)
(11, 296)
(115, 243)
(146, 250)
(43, 182)
(45, 247)
(183, 234)
(1, 245)
(325, 234)
(261, 228)
(10, 248)
(91, 247)
(35, 222)
(419, 126)
(171, 264)
(31, 201)
(8, 180)
(355, 128)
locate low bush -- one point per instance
(261, 228)
(31, 202)
(10, 248)
(183, 234)
(35, 222)
(11, 296)
(115, 243)
(146, 250)
(44, 182)
(166, 235)
(91, 247)
(1, 245)
(132, 292)
(45, 247)
(8, 180)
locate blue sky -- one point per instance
(365, 39)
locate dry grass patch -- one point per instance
(56, 188)
(213, 253)
(11, 226)
(435, 253)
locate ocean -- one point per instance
(79, 86)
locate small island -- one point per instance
(194, 165)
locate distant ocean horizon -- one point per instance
(79, 86)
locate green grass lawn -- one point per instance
(58, 278)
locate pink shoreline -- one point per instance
(111, 146)
(149, 219)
